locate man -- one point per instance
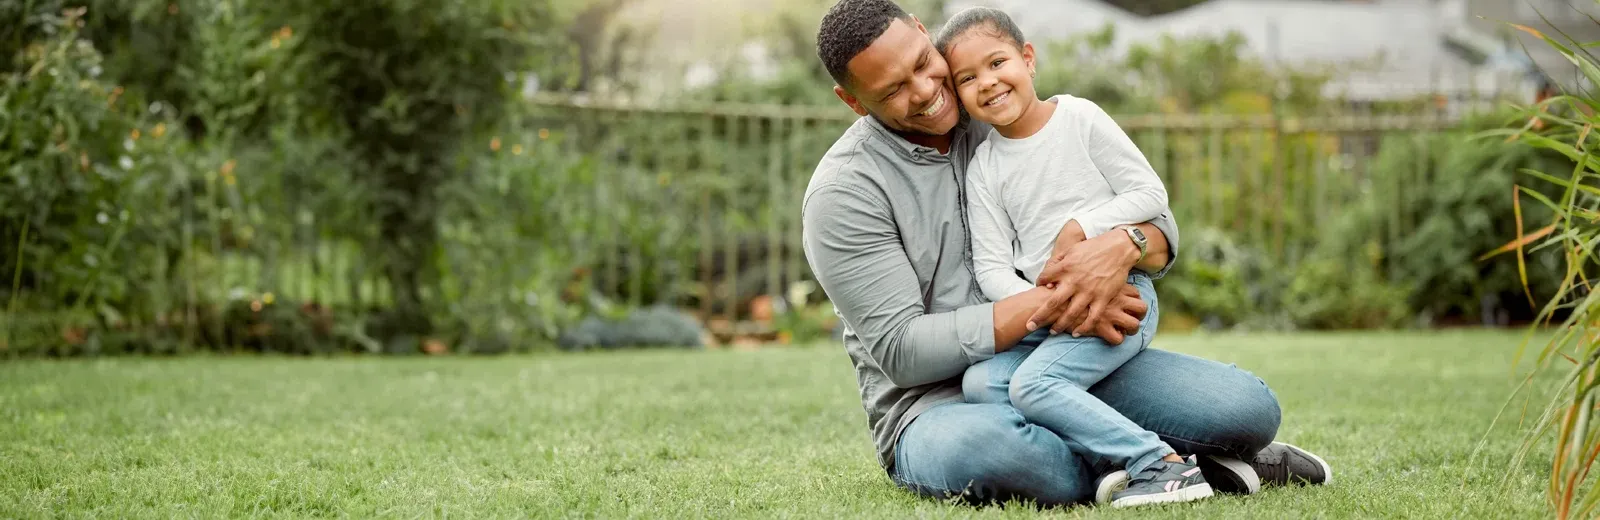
(885, 232)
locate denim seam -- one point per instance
(1147, 459)
(1200, 443)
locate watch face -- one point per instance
(1138, 233)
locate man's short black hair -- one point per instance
(996, 22)
(849, 28)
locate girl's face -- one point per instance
(993, 77)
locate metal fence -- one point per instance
(1268, 180)
(691, 206)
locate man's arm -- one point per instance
(1011, 316)
(1089, 278)
(853, 246)
(1157, 253)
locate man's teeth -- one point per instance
(934, 108)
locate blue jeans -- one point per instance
(987, 452)
(1050, 384)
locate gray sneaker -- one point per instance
(1164, 482)
(1108, 484)
(1229, 475)
(1284, 464)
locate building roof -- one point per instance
(1399, 45)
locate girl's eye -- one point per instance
(965, 79)
(997, 63)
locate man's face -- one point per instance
(902, 80)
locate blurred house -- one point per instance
(1389, 49)
(1486, 31)
(1461, 50)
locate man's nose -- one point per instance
(926, 89)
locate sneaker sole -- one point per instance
(1231, 475)
(1188, 494)
(1327, 471)
(1111, 483)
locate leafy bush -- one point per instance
(86, 196)
(1225, 284)
(1456, 194)
(252, 141)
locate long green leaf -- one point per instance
(1541, 198)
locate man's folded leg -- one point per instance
(1196, 405)
(1224, 414)
(987, 453)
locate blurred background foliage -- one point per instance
(406, 176)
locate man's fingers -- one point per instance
(1091, 323)
(1050, 274)
(1077, 329)
(1109, 333)
(1076, 311)
(1136, 307)
(1122, 321)
(1046, 314)
(1130, 291)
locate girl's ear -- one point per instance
(1028, 58)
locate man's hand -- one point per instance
(1071, 235)
(1087, 279)
(1123, 317)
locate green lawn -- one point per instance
(777, 432)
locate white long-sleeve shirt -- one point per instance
(1081, 166)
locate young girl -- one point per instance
(1046, 167)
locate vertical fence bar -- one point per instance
(646, 168)
(774, 206)
(1255, 154)
(732, 216)
(224, 273)
(795, 177)
(683, 204)
(187, 254)
(1214, 178)
(706, 176)
(1158, 152)
(1319, 176)
(1280, 181)
(612, 171)
(1305, 200)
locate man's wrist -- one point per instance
(1125, 247)
(1136, 236)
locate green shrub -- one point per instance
(1434, 205)
(408, 84)
(1226, 285)
(87, 217)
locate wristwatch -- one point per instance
(1138, 239)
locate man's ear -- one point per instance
(855, 104)
(920, 27)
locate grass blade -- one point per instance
(1516, 245)
(1522, 264)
